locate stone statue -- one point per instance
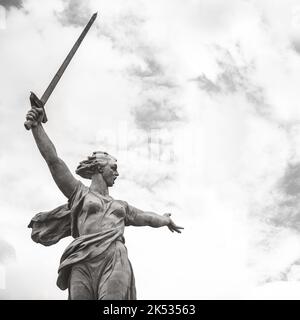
(95, 265)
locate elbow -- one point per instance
(52, 161)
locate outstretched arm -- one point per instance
(155, 220)
(60, 172)
(137, 217)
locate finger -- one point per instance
(39, 110)
(177, 230)
(177, 227)
(30, 117)
(170, 229)
(34, 110)
(32, 113)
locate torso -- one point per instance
(100, 213)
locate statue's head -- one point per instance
(99, 162)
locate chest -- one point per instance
(95, 207)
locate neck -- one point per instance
(98, 185)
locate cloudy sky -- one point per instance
(199, 102)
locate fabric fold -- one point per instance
(51, 226)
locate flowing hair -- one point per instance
(96, 161)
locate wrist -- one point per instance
(165, 221)
(36, 128)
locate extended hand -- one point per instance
(171, 225)
(35, 115)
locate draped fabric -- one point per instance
(97, 224)
(51, 226)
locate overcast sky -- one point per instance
(198, 100)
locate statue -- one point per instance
(95, 265)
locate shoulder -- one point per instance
(79, 191)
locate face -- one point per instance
(110, 173)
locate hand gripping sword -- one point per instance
(40, 103)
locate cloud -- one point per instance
(233, 78)
(280, 227)
(294, 31)
(285, 209)
(11, 3)
(75, 13)
(296, 46)
(7, 252)
(154, 114)
(146, 70)
(220, 159)
(152, 68)
(290, 183)
(154, 81)
(207, 84)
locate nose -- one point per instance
(116, 173)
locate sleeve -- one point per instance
(131, 214)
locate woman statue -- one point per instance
(95, 265)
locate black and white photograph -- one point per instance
(150, 150)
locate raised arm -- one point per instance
(60, 172)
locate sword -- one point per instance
(40, 103)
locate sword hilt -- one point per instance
(35, 103)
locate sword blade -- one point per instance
(67, 60)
